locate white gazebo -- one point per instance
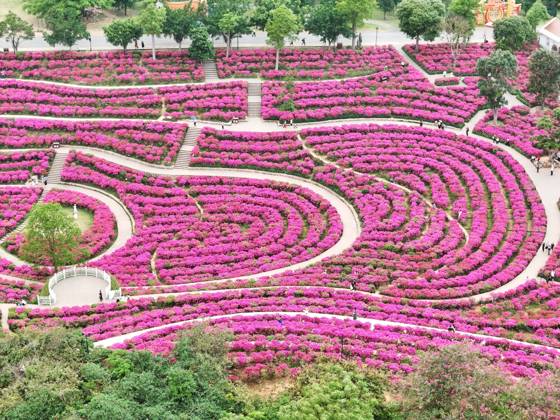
(549, 35)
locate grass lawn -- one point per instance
(85, 218)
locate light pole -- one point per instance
(376, 32)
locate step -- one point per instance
(254, 109)
(192, 135)
(183, 158)
(210, 70)
(55, 171)
(254, 89)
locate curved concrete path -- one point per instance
(109, 342)
(78, 291)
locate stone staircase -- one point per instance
(210, 70)
(55, 172)
(254, 109)
(254, 89)
(184, 155)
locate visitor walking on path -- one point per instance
(100, 296)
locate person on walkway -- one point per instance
(100, 296)
(467, 131)
(451, 328)
(421, 123)
(552, 275)
(354, 315)
(142, 43)
(303, 41)
(136, 44)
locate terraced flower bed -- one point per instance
(305, 63)
(516, 126)
(103, 68)
(201, 228)
(94, 240)
(396, 92)
(15, 203)
(20, 167)
(13, 291)
(153, 142)
(221, 101)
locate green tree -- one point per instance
(122, 32)
(355, 11)
(512, 33)
(421, 18)
(283, 25)
(15, 29)
(42, 8)
(201, 46)
(335, 391)
(537, 13)
(262, 10)
(64, 26)
(123, 5)
(325, 22)
(550, 141)
(51, 235)
(387, 6)
(151, 20)
(494, 72)
(179, 23)
(454, 382)
(228, 19)
(544, 75)
(550, 5)
(457, 30)
(232, 25)
(466, 9)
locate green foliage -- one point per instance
(454, 382)
(421, 18)
(551, 124)
(537, 13)
(123, 5)
(544, 75)
(201, 45)
(325, 22)
(64, 26)
(43, 8)
(262, 10)
(386, 6)
(494, 72)
(179, 23)
(122, 32)
(283, 25)
(355, 12)
(466, 9)
(51, 234)
(457, 30)
(15, 29)
(151, 19)
(513, 33)
(232, 25)
(228, 19)
(550, 5)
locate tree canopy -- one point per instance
(326, 22)
(355, 11)
(512, 33)
(51, 235)
(201, 45)
(421, 18)
(15, 29)
(122, 32)
(544, 75)
(495, 71)
(283, 25)
(151, 20)
(537, 13)
(179, 23)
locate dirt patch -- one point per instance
(270, 388)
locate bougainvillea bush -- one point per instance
(153, 142)
(306, 63)
(103, 67)
(219, 101)
(12, 291)
(21, 167)
(15, 203)
(516, 127)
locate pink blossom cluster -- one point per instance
(447, 81)
(15, 203)
(421, 251)
(210, 101)
(104, 67)
(19, 167)
(397, 92)
(220, 101)
(553, 264)
(278, 345)
(153, 142)
(12, 291)
(312, 63)
(274, 151)
(516, 126)
(201, 228)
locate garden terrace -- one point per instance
(153, 142)
(19, 167)
(103, 68)
(15, 204)
(277, 344)
(437, 58)
(94, 239)
(13, 291)
(208, 101)
(483, 187)
(306, 63)
(273, 151)
(202, 228)
(398, 92)
(517, 127)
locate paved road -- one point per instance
(98, 41)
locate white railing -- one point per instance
(79, 272)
